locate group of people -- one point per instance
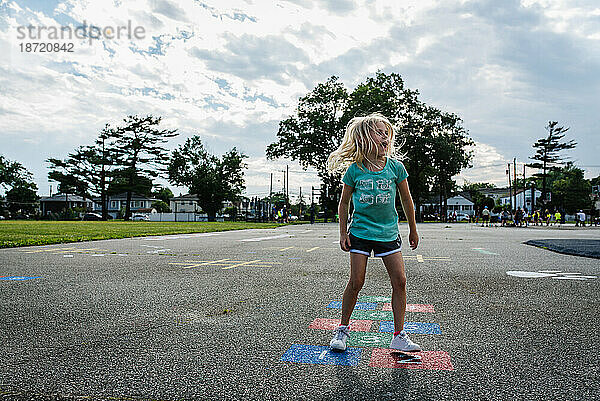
(523, 218)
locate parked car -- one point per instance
(462, 217)
(140, 217)
(91, 217)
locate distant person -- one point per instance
(485, 217)
(581, 218)
(503, 218)
(372, 179)
(518, 217)
(557, 218)
(547, 216)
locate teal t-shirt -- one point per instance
(374, 197)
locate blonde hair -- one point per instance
(357, 143)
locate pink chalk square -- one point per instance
(412, 307)
(330, 324)
(429, 360)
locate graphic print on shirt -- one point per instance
(384, 184)
(383, 198)
(365, 184)
(366, 198)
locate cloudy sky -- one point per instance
(229, 71)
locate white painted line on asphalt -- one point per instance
(524, 274)
(420, 258)
(285, 249)
(67, 256)
(312, 249)
(322, 355)
(266, 238)
(180, 236)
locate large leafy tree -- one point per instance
(547, 156)
(137, 145)
(12, 173)
(207, 176)
(474, 190)
(570, 190)
(434, 142)
(21, 195)
(314, 132)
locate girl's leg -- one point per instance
(395, 268)
(358, 268)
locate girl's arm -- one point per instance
(343, 207)
(409, 211)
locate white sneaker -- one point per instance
(340, 336)
(401, 342)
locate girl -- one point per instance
(371, 179)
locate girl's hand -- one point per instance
(345, 242)
(413, 240)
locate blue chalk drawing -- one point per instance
(412, 327)
(358, 306)
(321, 355)
(17, 278)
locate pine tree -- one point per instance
(547, 152)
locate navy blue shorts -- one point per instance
(379, 249)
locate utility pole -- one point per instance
(524, 188)
(300, 204)
(270, 199)
(509, 186)
(515, 181)
(287, 194)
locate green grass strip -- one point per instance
(16, 233)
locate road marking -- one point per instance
(224, 263)
(432, 258)
(266, 238)
(241, 264)
(420, 258)
(484, 251)
(312, 249)
(322, 355)
(285, 249)
(194, 264)
(549, 273)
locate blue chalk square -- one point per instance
(412, 327)
(358, 306)
(321, 355)
(17, 278)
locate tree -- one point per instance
(21, 193)
(314, 132)
(212, 179)
(570, 190)
(87, 170)
(161, 206)
(139, 151)
(164, 194)
(479, 200)
(547, 153)
(435, 144)
(12, 173)
(22, 198)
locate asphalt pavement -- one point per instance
(246, 315)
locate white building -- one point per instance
(460, 203)
(523, 199)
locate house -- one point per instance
(139, 204)
(59, 202)
(460, 203)
(185, 203)
(523, 199)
